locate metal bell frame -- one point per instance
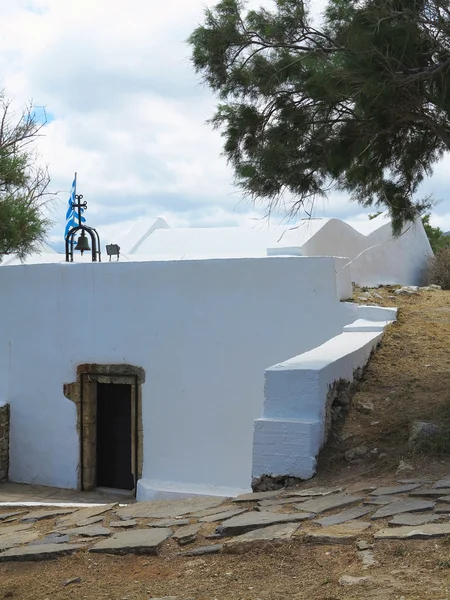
(81, 244)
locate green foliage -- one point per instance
(23, 184)
(435, 235)
(361, 105)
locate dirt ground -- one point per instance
(408, 379)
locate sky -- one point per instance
(127, 112)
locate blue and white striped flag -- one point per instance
(71, 214)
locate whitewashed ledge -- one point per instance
(292, 429)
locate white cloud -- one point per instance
(129, 112)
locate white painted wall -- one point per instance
(204, 331)
(291, 431)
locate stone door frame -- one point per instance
(83, 392)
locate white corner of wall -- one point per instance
(155, 489)
(344, 284)
(285, 446)
(288, 437)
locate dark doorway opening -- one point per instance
(114, 440)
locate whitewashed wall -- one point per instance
(204, 331)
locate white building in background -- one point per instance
(374, 256)
(172, 370)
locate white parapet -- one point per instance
(292, 430)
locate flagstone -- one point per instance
(187, 534)
(83, 514)
(7, 529)
(442, 509)
(123, 524)
(322, 504)
(257, 496)
(279, 502)
(169, 523)
(258, 520)
(90, 521)
(443, 483)
(52, 538)
(344, 516)
(42, 552)
(260, 537)
(89, 531)
(414, 519)
(431, 492)
(395, 489)
(381, 500)
(213, 511)
(17, 538)
(10, 515)
(432, 530)
(335, 534)
(223, 516)
(136, 541)
(165, 509)
(39, 515)
(403, 506)
(314, 492)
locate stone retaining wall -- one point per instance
(4, 442)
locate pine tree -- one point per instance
(361, 104)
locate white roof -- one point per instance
(154, 240)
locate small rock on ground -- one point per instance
(368, 558)
(363, 545)
(422, 429)
(365, 406)
(71, 581)
(355, 453)
(348, 580)
(404, 467)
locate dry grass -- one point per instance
(439, 268)
(408, 379)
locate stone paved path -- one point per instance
(361, 515)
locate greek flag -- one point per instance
(72, 215)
